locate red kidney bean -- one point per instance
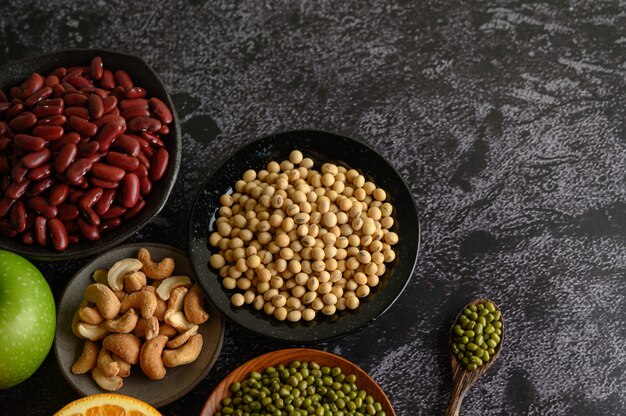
(58, 90)
(114, 212)
(120, 160)
(133, 102)
(134, 210)
(5, 143)
(145, 186)
(107, 172)
(16, 190)
(23, 121)
(40, 186)
(89, 231)
(48, 133)
(71, 226)
(14, 111)
(95, 157)
(104, 203)
(4, 107)
(72, 72)
(149, 152)
(16, 92)
(52, 121)
(76, 99)
(3, 97)
(83, 126)
(80, 82)
(40, 205)
(143, 159)
(33, 84)
(153, 139)
(78, 169)
(118, 92)
(91, 216)
(60, 72)
(51, 80)
(69, 88)
(19, 173)
(130, 190)
(90, 198)
(4, 127)
(65, 157)
(164, 130)
(108, 104)
(88, 149)
(68, 212)
(161, 110)
(29, 143)
(71, 137)
(28, 238)
(5, 206)
(41, 172)
(36, 159)
(110, 119)
(97, 91)
(96, 69)
(6, 229)
(58, 194)
(41, 235)
(42, 94)
(58, 234)
(136, 92)
(122, 78)
(110, 224)
(18, 216)
(108, 134)
(104, 184)
(96, 107)
(107, 81)
(135, 112)
(128, 143)
(47, 111)
(159, 164)
(81, 112)
(52, 102)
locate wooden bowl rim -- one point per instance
(285, 356)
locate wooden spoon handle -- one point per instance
(454, 405)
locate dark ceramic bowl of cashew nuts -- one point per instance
(178, 380)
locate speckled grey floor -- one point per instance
(507, 120)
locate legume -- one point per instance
(473, 343)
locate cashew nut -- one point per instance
(150, 360)
(107, 383)
(107, 366)
(75, 322)
(92, 332)
(124, 323)
(161, 304)
(100, 276)
(123, 366)
(177, 320)
(88, 358)
(120, 294)
(182, 338)
(147, 328)
(120, 269)
(171, 283)
(194, 306)
(133, 282)
(90, 315)
(177, 297)
(126, 346)
(144, 301)
(104, 298)
(185, 354)
(153, 270)
(167, 330)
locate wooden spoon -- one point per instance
(462, 379)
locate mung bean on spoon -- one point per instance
(475, 343)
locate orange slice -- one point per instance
(108, 404)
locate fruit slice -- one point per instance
(108, 404)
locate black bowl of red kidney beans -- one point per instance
(90, 148)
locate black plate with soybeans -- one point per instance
(122, 346)
(304, 236)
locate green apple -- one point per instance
(27, 319)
